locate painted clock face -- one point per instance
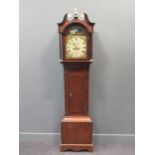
(76, 47)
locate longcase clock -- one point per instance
(75, 32)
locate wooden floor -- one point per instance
(49, 149)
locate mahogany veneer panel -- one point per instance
(76, 133)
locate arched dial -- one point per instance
(76, 47)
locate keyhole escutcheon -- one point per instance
(70, 94)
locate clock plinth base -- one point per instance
(76, 133)
(76, 147)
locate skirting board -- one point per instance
(97, 138)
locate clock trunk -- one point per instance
(76, 89)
